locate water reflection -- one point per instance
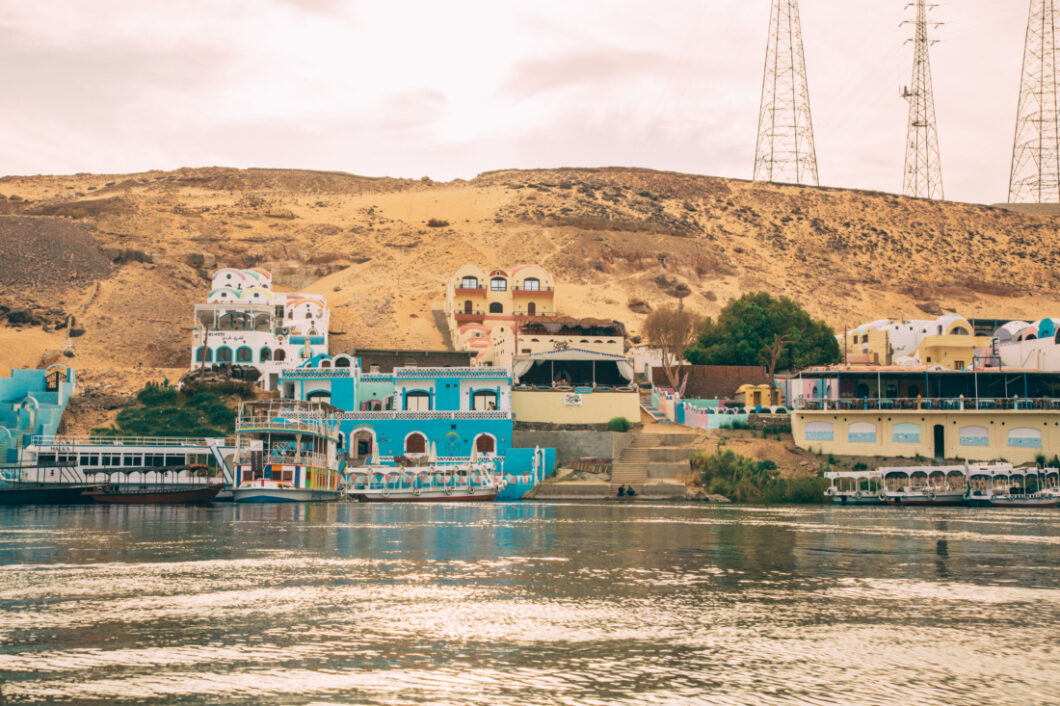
(514, 603)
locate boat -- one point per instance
(287, 451)
(924, 485)
(17, 488)
(475, 481)
(1001, 485)
(854, 487)
(116, 494)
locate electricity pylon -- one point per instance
(1035, 175)
(785, 151)
(923, 166)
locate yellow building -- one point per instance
(947, 341)
(1015, 435)
(573, 386)
(955, 351)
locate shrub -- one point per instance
(165, 411)
(619, 424)
(860, 466)
(744, 480)
(437, 223)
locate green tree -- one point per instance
(748, 330)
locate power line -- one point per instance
(923, 165)
(785, 150)
(1035, 175)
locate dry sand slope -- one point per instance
(613, 237)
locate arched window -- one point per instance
(224, 354)
(415, 443)
(290, 313)
(496, 308)
(325, 363)
(531, 308)
(418, 401)
(532, 284)
(484, 400)
(469, 283)
(342, 362)
(279, 355)
(467, 307)
(960, 331)
(244, 355)
(203, 355)
(499, 284)
(265, 355)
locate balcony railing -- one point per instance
(317, 372)
(549, 291)
(464, 316)
(470, 290)
(929, 403)
(140, 441)
(392, 414)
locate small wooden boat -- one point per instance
(119, 495)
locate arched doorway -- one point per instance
(485, 444)
(415, 443)
(362, 444)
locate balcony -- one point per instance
(471, 290)
(464, 317)
(522, 292)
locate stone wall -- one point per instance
(573, 445)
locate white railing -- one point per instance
(390, 414)
(928, 403)
(252, 423)
(464, 372)
(148, 441)
(244, 456)
(317, 372)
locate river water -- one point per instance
(529, 603)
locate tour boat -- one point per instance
(924, 485)
(1001, 485)
(859, 488)
(475, 481)
(44, 493)
(115, 494)
(287, 451)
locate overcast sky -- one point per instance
(456, 87)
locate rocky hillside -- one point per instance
(128, 255)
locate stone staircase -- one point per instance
(650, 456)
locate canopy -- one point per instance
(573, 365)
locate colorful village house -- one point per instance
(405, 411)
(246, 323)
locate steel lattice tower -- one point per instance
(1035, 175)
(785, 151)
(923, 166)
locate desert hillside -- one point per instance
(126, 256)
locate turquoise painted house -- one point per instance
(32, 403)
(404, 411)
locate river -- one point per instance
(528, 603)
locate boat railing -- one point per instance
(433, 414)
(167, 441)
(927, 403)
(245, 456)
(251, 423)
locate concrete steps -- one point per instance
(651, 456)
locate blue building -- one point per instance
(32, 403)
(404, 411)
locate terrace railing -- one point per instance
(929, 403)
(142, 441)
(392, 414)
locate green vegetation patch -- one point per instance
(200, 410)
(745, 480)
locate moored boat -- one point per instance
(476, 481)
(854, 487)
(286, 451)
(924, 485)
(45, 493)
(125, 495)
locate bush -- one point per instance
(437, 223)
(163, 411)
(619, 424)
(734, 424)
(744, 480)
(859, 466)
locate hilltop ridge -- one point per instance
(619, 240)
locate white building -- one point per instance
(1034, 346)
(244, 322)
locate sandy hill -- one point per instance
(619, 241)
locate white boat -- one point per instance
(476, 481)
(1001, 485)
(924, 485)
(854, 487)
(286, 452)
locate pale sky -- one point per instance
(456, 87)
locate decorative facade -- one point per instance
(406, 411)
(481, 306)
(244, 322)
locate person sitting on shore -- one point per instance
(621, 491)
(630, 492)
